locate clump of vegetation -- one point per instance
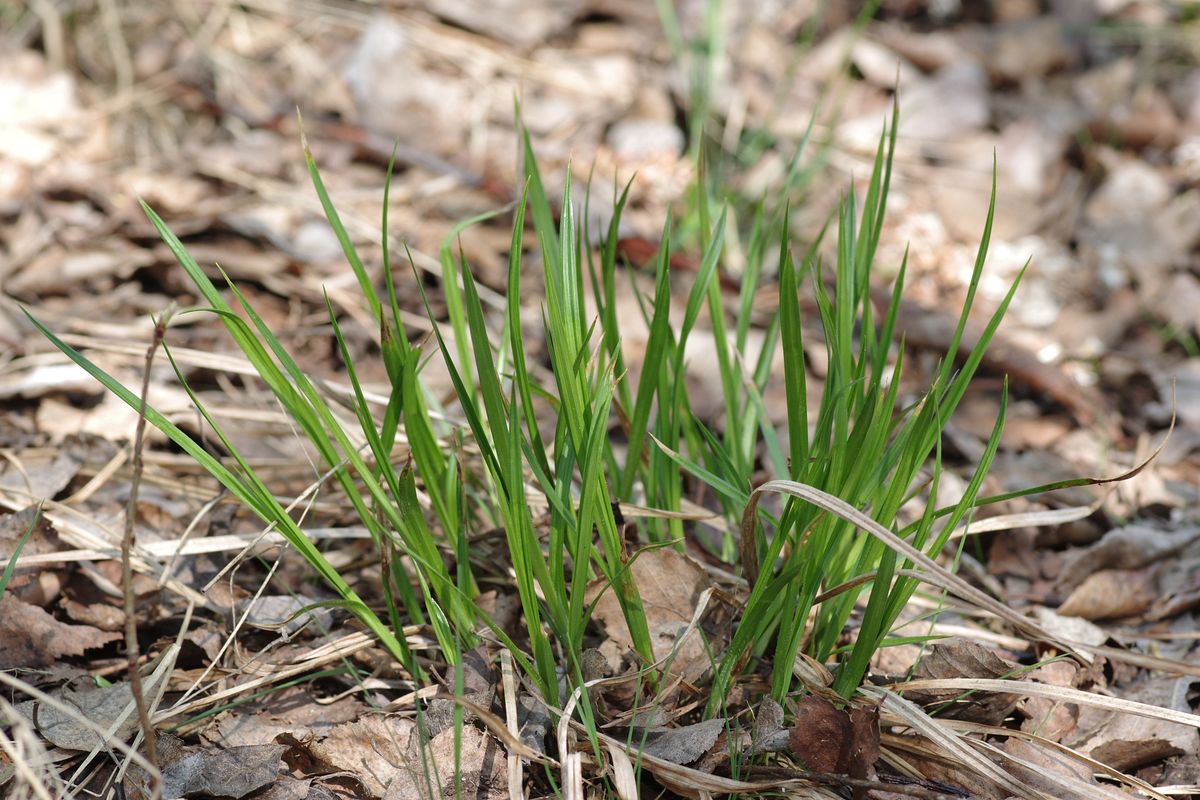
(619, 437)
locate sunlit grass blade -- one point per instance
(339, 230)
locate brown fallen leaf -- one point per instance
(1130, 547)
(681, 745)
(835, 741)
(1127, 742)
(293, 710)
(31, 637)
(41, 476)
(371, 748)
(670, 584)
(111, 708)
(1112, 593)
(963, 658)
(468, 765)
(1036, 761)
(1046, 717)
(99, 615)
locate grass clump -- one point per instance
(806, 568)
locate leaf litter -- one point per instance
(1094, 157)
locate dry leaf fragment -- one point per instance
(670, 584)
(818, 734)
(767, 723)
(519, 22)
(1112, 593)
(963, 658)
(109, 707)
(189, 771)
(475, 766)
(833, 740)
(287, 613)
(1030, 761)
(1070, 629)
(1131, 547)
(31, 637)
(371, 748)
(1127, 742)
(1044, 716)
(42, 477)
(682, 745)
(99, 615)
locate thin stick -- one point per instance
(131, 640)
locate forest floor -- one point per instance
(1088, 112)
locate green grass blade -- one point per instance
(11, 566)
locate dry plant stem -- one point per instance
(131, 641)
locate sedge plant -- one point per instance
(596, 435)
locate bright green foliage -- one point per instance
(857, 445)
(556, 438)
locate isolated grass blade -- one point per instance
(339, 230)
(452, 273)
(11, 566)
(794, 367)
(654, 361)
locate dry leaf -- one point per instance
(109, 707)
(833, 740)
(1127, 548)
(31, 637)
(189, 771)
(473, 766)
(520, 22)
(1045, 717)
(1045, 760)
(681, 745)
(1125, 741)
(1112, 593)
(963, 658)
(372, 748)
(670, 584)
